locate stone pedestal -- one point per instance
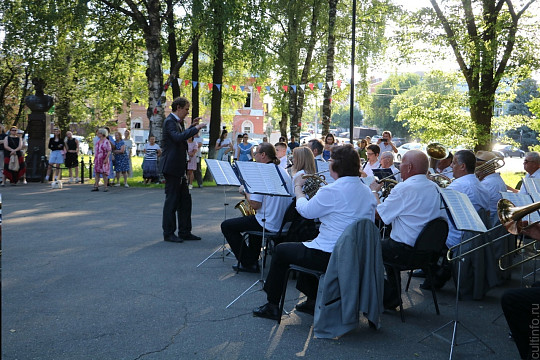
(38, 129)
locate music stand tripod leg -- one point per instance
(261, 266)
(223, 246)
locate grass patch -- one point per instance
(136, 180)
(512, 178)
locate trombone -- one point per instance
(510, 217)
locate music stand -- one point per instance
(465, 218)
(262, 179)
(223, 175)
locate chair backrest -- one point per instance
(290, 215)
(433, 237)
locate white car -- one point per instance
(409, 146)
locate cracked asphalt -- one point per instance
(87, 275)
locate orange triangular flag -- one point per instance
(285, 87)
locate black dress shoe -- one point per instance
(172, 238)
(189, 237)
(307, 307)
(419, 273)
(268, 311)
(391, 305)
(249, 269)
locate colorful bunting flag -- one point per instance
(320, 85)
(311, 86)
(210, 85)
(285, 87)
(234, 87)
(242, 87)
(293, 88)
(218, 87)
(303, 87)
(186, 82)
(259, 89)
(194, 84)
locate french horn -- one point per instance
(313, 183)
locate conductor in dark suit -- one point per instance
(173, 165)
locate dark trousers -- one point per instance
(198, 173)
(521, 309)
(286, 254)
(396, 253)
(232, 229)
(177, 205)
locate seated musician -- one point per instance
(491, 181)
(337, 205)
(372, 153)
(466, 182)
(317, 148)
(444, 166)
(303, 162)
(387, 162)
(531, 165)
(273, 207)
(409, 207)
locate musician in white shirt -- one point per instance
(491, 181)
(269, 208)
(531, 164)
(444, 166)
(409, 207)
(387, 162)
(337, 205)
(372, 153)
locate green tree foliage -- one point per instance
(490, 40)
(341, 117)
(380, 114)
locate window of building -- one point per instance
(247, 127)
(248, 100)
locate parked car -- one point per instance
(409, 146)
(509, 150)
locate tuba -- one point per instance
(488, 167)
(245, 208)
(437, 151)
(313, 183)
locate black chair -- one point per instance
(289, 216)
(427, 249)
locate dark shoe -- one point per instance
(307, 307)
(95, 189)
(249, 269)
(172, 238)
(268, 311)
(419, 273)
(189, 237)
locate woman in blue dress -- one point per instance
(245, 149)
(121, 161)
(329, 142)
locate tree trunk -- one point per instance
(171, 42)
(195, 77)
(293, 50)
(154, 75)
(283, 124)
(23, 95)
(327, 110)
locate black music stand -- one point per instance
(250, 174)
(223, 175)
(465, 218)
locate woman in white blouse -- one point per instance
(337, 205)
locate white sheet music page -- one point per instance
(222, 172)
(262, 178)
(462, 211)
(323, 166)
(532, 185)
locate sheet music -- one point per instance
(222, 172)
(262, 178)
(367, 180)
(532, 185)
(323, 166)
(462, 211)
(522, 200)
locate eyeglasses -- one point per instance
(527, 161)
(370, 153)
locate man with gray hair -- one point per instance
(531, 164)
(387, 162)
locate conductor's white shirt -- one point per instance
(337, 205)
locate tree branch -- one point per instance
(451, 38)
(178, 65)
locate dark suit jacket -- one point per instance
(174, 146)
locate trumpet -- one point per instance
(313, 183)
(488, 167)
(510, 216)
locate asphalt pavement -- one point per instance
(87, 275)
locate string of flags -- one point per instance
(268, 88)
